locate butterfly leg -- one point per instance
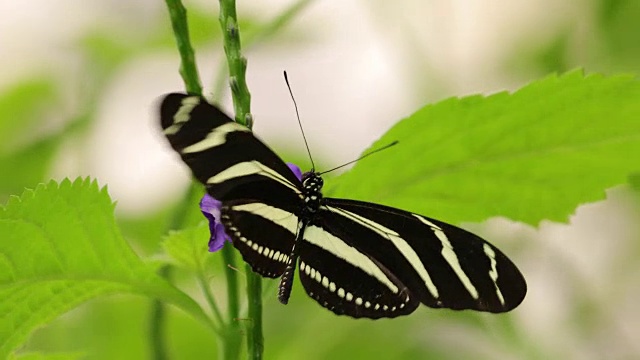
(286, 281)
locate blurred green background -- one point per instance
(78, 95)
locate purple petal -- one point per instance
(210, 208)
(218, 237)
(296, 170)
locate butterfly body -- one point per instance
(355, 258)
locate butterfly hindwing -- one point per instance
(263, 234)
(347, 281)
(443, 265)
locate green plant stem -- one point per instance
(269, 29)
(191, 79)
(188, 68)
(255, 339)
(157, 322)
(236, 62)
(206, 290)
(241, 102)
(158, 308)
(232, 332)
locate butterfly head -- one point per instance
(312, 182)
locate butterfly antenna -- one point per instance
(361, 157)
(295, 105)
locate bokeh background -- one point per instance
(79, 86)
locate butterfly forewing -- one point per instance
(243, 173)
(442, 264)
(224, 155)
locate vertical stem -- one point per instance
(189, 73)
(156, 323)
(158, 309)
(188, 68)
(241, 102)
(232, 332)
(255, 340)
(237, 63)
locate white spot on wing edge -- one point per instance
(493, 273)
(450, 256)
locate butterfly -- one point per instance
(354, 258)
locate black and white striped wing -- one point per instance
(224, 155)
(264, 235)
(401, 255)
(239, 170)
(346, 280)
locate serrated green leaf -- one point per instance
(532, 155)
(60, 247)
(188, 247)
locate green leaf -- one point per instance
(532, 155)
(188, 247)
(634, 181)
(28, 165)
(21, 107)
(43, 356)
(60, 247)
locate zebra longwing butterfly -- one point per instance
(354, 258)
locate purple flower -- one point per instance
(210, 208)
(296, 170)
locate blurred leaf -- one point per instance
(145, 233)
(60, 247)
(203, 26)
(106, 51)
(29, 166)
(634, 181)
(619, 26)
(148, 231)
(117, 327)
(532, 155)
(41, 356)
(546, 58)
(322, 335)
(21, 107)
(188, 247)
